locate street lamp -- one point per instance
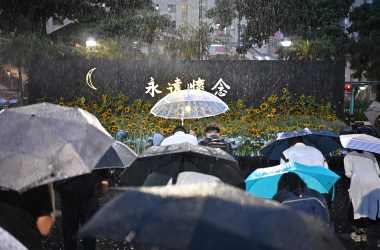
(286, 43)
(91, 43)
(157, 8)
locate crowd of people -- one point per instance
(29, 216)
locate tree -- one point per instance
(19, 16)
(305, 50)
(189, 43)
(365, 43)
(308, 19)
(223, 13)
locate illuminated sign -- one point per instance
(89, 79)
(220, 88)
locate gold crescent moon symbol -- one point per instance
(89, 79)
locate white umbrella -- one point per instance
(189, 104)
(361, 142)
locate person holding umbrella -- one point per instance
(78, 203)
(304, 154)
(293, 192)
(179, 136)
(27, 216)
(363, 170)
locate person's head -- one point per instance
(295, 140)
(212, 131)
(290, 182)
(179, 128)
(121, 135)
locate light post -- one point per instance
(286, 43)
(91, 43)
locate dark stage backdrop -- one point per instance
(250, 81)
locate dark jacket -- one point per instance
(19, 213)
(306, 201)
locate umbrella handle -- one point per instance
(52, 197)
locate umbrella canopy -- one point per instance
(189, 104)
(173, 159)
(8, 242)
(325, 141)
(117, 156)
(361, 142)
(43, 143)
(373, 112)
(263, 182)
(200, 217)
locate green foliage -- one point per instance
(224, 12)
(365, 45)
(308, 19)
(116, 24)
(305, 50)
(30, 16)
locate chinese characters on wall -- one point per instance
(220, 88)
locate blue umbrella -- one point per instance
(263, 182)
(325, 141)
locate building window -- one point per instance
(172, 8)
(184, 10)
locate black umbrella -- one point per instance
(117, 156)
(214, 216)
(172, 159)
(324, 140)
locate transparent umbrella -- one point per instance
(189, 104)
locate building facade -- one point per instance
(192, 13)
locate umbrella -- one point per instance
(361, 142)
(373, 112)
(263, 182)
(43, 143)
(3, 101)
(8, 242)
(200, 217)
(173, 159)
(117, 156)
(189, 104)
(325, 141)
